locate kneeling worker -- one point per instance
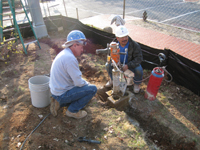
(133, 58)
(66, 83)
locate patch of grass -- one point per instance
(168, 104)
(129, 129)
(138, 142)
(158, 102)
(40, 63)
(93, 26)
(18, 89)
(164, 111)
(162, 96)
(195, 112)
(174, 120)
(190, 112)
(15, 72)
(94, 103)
(15, 90)
(21, 88)
(90, 55)
(100, 67)
(2, 72)
(110, 123)
(119, 126)
(102, 62)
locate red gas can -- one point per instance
(154, 83)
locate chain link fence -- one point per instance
(179, 13)
(175, 18)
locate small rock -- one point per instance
(105, 137)
(66, 141)
(169, 97)
(18, 135)
(6, 106)
(40, 116)
(105, 129)
(111, 131)
(18, 144)
(119, 119)
(55, 139)
(84, 148)
(5, 138)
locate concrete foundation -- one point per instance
(119, 101)
(40, 31)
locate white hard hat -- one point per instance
(121, 31)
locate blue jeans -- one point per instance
(76, 98)
(138, 73)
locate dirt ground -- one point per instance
(172, 121)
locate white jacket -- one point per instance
(65, 73)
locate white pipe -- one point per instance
(116, 82)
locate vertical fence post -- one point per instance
(77, 13)
(48, 9)
(124, 10)
(65, 7)
(1, 22)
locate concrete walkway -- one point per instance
(149, 37)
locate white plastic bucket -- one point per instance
(39, 89)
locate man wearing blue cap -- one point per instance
(66, 83)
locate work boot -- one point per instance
(136, 88)
(109, 83)
(54, 107)
(78, 115)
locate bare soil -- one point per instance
(172, 121)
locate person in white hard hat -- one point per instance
(66, 84)
(133, 58)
